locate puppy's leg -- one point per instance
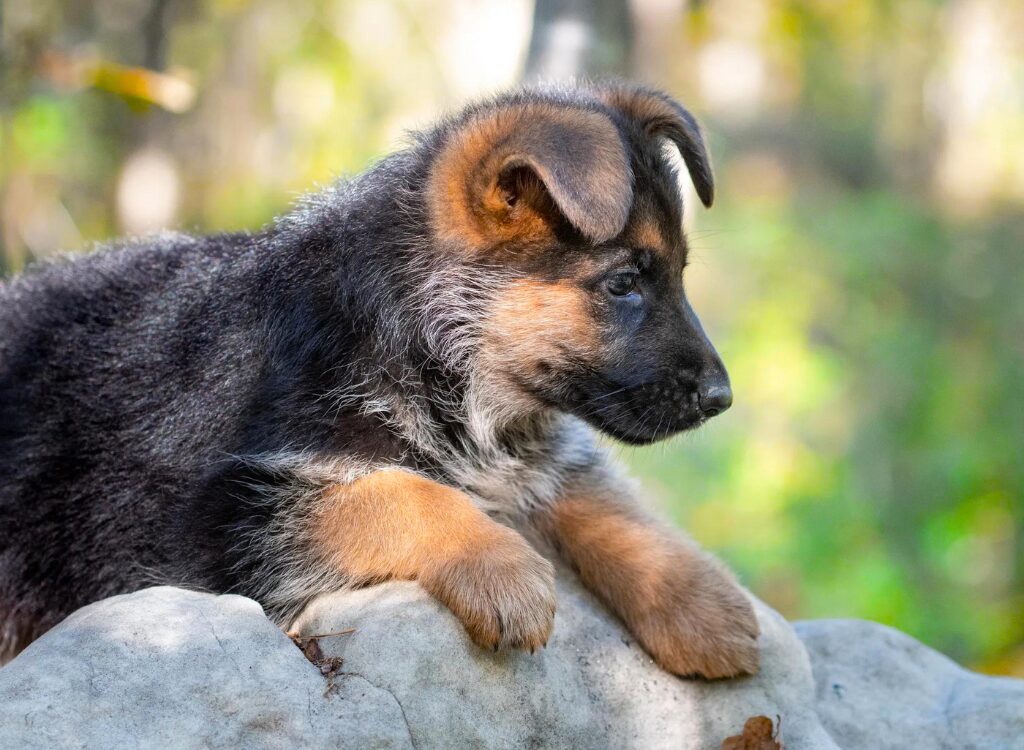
(682, 605)
(394, 524)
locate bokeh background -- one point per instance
(862, 272)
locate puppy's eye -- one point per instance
(622, 283)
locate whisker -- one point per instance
(620, 390)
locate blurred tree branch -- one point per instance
(154, 33)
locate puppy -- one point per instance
(379, 386)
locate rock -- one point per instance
(879, 688)
(593, 686)
(168, 668)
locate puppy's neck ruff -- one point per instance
(469, 433)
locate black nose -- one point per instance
(714, 398)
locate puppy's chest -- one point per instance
(508, 484)
(519, 481)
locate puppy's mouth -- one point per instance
(641, 414)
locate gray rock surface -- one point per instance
(167, 668)
(907, 691)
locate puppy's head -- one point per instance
(570, 200)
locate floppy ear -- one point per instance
(659, 114)
(511, 172)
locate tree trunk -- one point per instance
(579, 39)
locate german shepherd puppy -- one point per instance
(380, 385)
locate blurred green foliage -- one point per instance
(861, 274)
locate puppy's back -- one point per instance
(99, 357)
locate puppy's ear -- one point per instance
(659, 114)
(515, 171)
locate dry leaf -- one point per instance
(309, 645)
(758, 734)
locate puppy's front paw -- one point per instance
(698, 622)
(502, 591)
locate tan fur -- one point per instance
(648, 235)
(592, 185)
(395, 524)
(537, 324)
(681, 604)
